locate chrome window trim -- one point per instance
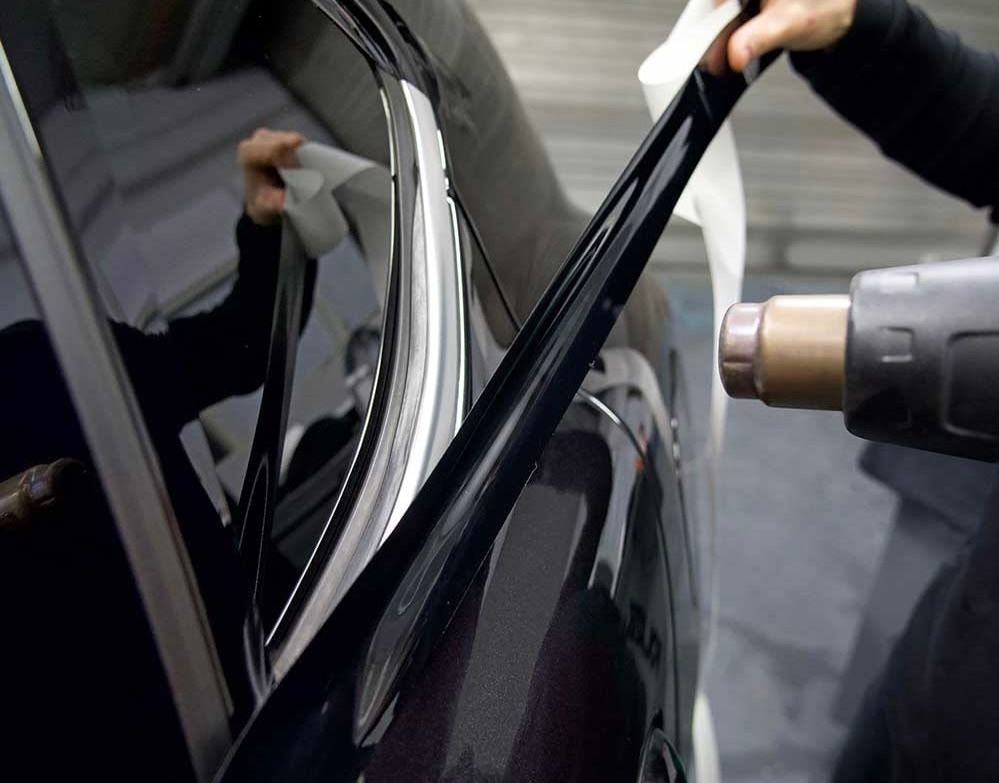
(116, 434)
(440, 392)
(371, 423)
(428, 386)
(463, 286)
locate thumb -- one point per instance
(768, 30)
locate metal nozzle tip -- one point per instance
(737, 348)
(788, 352)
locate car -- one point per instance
(415, 508)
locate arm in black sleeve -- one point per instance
(223, 351)
(204, 358)
(930, 102)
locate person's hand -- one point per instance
(260, 156)
(797, 25)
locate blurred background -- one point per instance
(816, 575)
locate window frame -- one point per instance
(423, 383)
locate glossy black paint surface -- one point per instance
(376, 29)
(255, 515)
(535, 616)
(546, 668)
(342, 706)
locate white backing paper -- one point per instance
(715, 201)
(309, 201)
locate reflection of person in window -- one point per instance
(198, 361)
(223, 351)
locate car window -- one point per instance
(192, 287)
(63, 576)
(493, 324)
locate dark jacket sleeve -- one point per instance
(223, 351)
(197, 361)
(929, 101)
(204, 358)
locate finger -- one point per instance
(285, 156)
(270, 199)
(266, 204)
(264, 176)
(715, 60)
(267, 148)
(770, 29)
(267, 136)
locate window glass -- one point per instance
(75, 629)
(200, 294)
(493, 324)
(16, 304)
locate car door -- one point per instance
(368, 628)
(122, 136)
(453, 656)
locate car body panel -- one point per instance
(534, 612)
(348, 686)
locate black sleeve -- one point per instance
(204, 358)
(930, 102)
(223, 351)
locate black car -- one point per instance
(409, 510)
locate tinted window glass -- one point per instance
(78, 658)
(201, 299)
(493, 324)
